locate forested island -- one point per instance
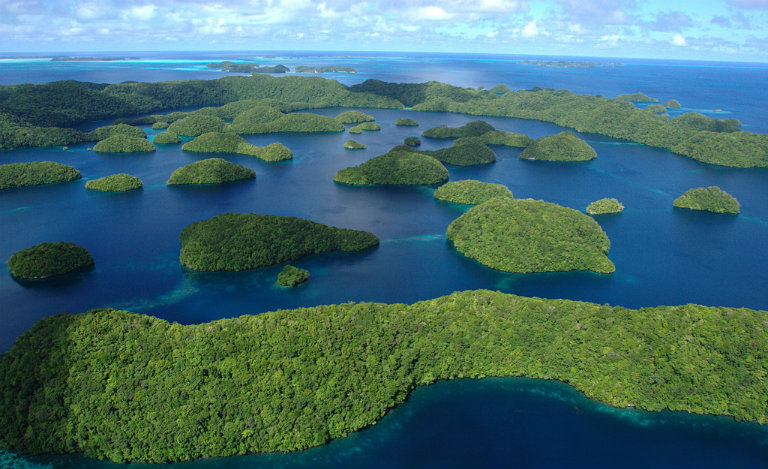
(471, 192)
(365, 126)
(222, 142)
(128, 387)
(470, 129)
(166, 138)
(324, 69)
(710, 199)
(46, 260)
(122, 143)
(405, 122)
(354, 117)
(605, 206)
(353, 145)
(247, 67)
(210, 171)
(36, 173)
(464, 152)
(397, 166)
(525, 236)
(115, 183)
(42, 115)
(565, 146)
(237, 241)
(292, 276)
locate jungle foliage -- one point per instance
(464, 152)
(121, 143)
(471, 192)
(236, 241)
(710, 199)
(210, 171)
(605, 206)
(115, 183)
(35, 173)
(471, 129)
(499, 137)
(222, 142)
(368, 126)
(354, 117)
(197, 124)
(118, 129)
(353, 145)
(395, 167)
(527, 235)
(412, 141)
(48, 260)
(406, 122)
(166, 138)
(292, 276)
(565, 146)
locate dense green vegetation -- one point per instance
(210, 171)
(655, 108)
(464, 152)
(292, 276)
(236, 241)
(248, 67)
(637, 97)
(354, 117)
(367, 126)
(565, 146)
(120, 143)
(499, 137)
(298, 122)
(672, 104)
(499, 89)
(711, 199)
(48, 260)
(471, 129)
(115, 183)
(160, 125)
(406, 122)
(248, 121)
(395, 167)
(222, 142)
(530, 236)
(353, 145)
(412, 141)
(35, 173)
(118, 129)
(165, 138)
(119, 385)
(604, 206)
(471, 192)
(197, 124)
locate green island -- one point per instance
(222, 142)
(324, 69)
(166, 138)
(292, 276)
(249, 120)
(605, 206)
(239, 67)
(637, 97)
(237, 241)
(464, 152)
(160, 125)
(655, 108)
(44, 114)
(710, 199)
(367, 126)
(210, 171)
(353, 145)
(500, 89)
(406, 122)
(565, 146)
(35, 173)
(499, 137)
(412, 141)
(115, 183)
(298, 122)
(354, 117)
(129, 387)
(46, 260)
(471, 129)
(395, 167)
(124, 144)
(672, 104)
(118, 129)
(525, 236)
(471, 192)
(197, 124)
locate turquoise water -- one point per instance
(662, 255)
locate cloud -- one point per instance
(606, 12)
(668, 21)
(432, 13)
(749, 3)
(531, 30)
(678, 40)
(139, 13)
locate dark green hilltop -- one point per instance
(396, 167)
(224, 142)
(46, 260)
(565, 146)
(210, 171)
(14, 175)
(605, 206)
(470, 192)
(292, 276)
(710, 199)
(115, 183)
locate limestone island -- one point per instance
(292, 276)
(35, 173)
(123, 144)
(115, 183)
(237, 241)
(406, 122)
(499, 137)
(297, 122)
(637, 98)
(655, 108)
(353, 145)
(710, 199)
(249, 120)
(46, 260)
(247, 67)
(471, 192)
(160, 125)
(605, 206)
(222, 142)
(367, 126)
(354, 117)
(525, 236)
(412, 141)
(672, 104)
(471, 129)
(565, 146)
(210, 171)
(166, 138)
(464, 152)
(325, 69)
(395, 167)
(102, 133)
(197, 124)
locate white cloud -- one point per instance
(610, 39)
(432, 13)
(139, 13)
(532, 30)
(678, 40)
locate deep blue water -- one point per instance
(662, 255)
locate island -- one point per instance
(395, 167)
(499, 137)
(637, 98)
(471, 192)
(14, 175)
(293, 379)
(111, 130)
(160, 125)
(222, 142)
(210, 171)
(464, 152)
(565, 146)
(605, 206)
(197, 124)
(166, 138)
(353, 145)
(412, 141)
(655, 108)
(115, 183)
(121, 143)
(500, 89)
(292, 276)
(710, 199)
(471, 129)
(365, 126)
(249, 121)
(45, 260)
(354, 117)
(248, 67)
(525, 236)
(296, 122)
(324, 69)
(406, 122)
(672, 104)
(237, 241)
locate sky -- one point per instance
(723, 30)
